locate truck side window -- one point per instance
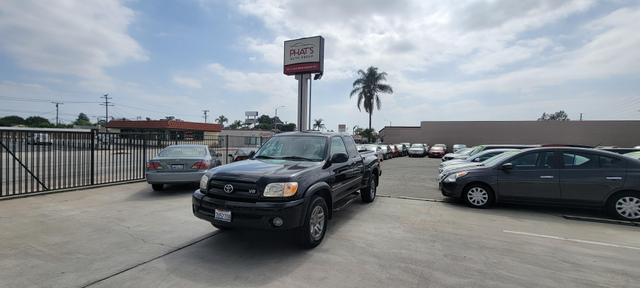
(351, 147)
(338, 146)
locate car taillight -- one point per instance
(153, 165)
(200, 165)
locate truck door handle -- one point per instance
(613, 178)
(546, 177)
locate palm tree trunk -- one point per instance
(369, 136)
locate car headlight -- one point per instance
(285, 189)
(203, 183)
(452, 177)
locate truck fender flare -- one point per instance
(316, 188)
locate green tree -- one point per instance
(12, 120)
(287, 127)
(318, 124)
(37, 121)
(222, 120)
(368, 134)
(235, 125)
(556, 116)
(368, 87)
(82, 120)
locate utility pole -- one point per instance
(57, 103)
(106, 104)
(205, 114)
(581, 117)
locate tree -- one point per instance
(235, 125)
(368, 133)
(287, 127)
(37, 121)
(368, 87)
(12, 120)
(318, 124)
(222, 120)
(556, 116)
(82, 120)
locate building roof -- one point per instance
(164, 124)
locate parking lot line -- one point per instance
(570, 239)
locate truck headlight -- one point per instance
(452, 177)
(285, 189)
(203, 183)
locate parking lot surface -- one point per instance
(130, 236)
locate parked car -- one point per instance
(558, 175)
(437, 150)
(374, 148)
(460, 154)
(481, 148)
(458, 147)
(395, 151)
(241, 154)
(476, 158)
(633, 154)
(447, 169)
(417, 150)
(402, 150)
(406, 148)
(179, 164)
(295, 181)
(387, 152)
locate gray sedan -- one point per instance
(178, 164)
(474, 159)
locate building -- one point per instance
(621, 133)
(246, 137)
(171, 129)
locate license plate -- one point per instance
(222, 215)
(177, 166)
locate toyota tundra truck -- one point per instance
(295, 181)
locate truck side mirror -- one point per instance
(339, 158)
(507, 166)
(252, 153)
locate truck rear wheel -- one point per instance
(313, 230)
(369, 193)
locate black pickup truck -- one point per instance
(294, 181)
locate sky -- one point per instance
(445, 60)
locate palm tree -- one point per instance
(318, 124)
(368, 87)
(222, 119)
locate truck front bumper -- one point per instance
(259, 215)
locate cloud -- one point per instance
(187, 82)
(79, 38)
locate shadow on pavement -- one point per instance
(178, 190)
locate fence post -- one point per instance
(93, 160)
(144, 153)
(226, 148)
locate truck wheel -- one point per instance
(369, 193)
(313, 230)
(157, 187)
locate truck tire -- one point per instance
(368, 194)
(313, 230)
(157, 187)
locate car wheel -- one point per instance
(624, 206)
(368, 194)
(313, 230)
(478, 196)
(157, 187)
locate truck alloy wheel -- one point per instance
(313, 230)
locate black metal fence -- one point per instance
(35, 161)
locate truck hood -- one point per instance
(253, 170)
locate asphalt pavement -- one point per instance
(131, 236)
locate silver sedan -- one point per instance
(179, 164)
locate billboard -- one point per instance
(304, 55)
(251, 113)
(342, 128)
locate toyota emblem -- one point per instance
(228, 188)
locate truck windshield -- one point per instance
(297, 148)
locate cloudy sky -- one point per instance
(446, 60)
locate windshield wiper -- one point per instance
(297, 158)
(264, 157)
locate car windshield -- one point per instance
(297, 148)
(417, 146)
(498, 158)
(475, 149)
(465, 151)
(183, 151)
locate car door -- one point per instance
(590, 177)
(341, 171)
(534, 176)
(356, 164)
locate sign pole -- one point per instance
(302, 100)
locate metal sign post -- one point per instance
(303, 98)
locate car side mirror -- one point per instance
(507, 166)
(251, 154)
(339, 158)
